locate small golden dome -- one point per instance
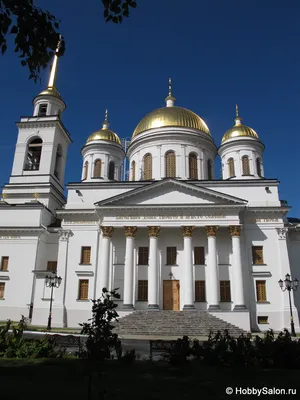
(171, 116)
(50, 91)
(239, 130)
(105, 133)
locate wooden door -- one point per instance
(171, 295)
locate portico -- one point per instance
(159, 270)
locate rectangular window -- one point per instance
(143, 290)
(257, 255)
(52, 266)
(171, 255)
(225, 291)
(2, 289)
(4, 263)
(200, 291)
(143, 255)
(261, 292)
(85, 255)
(83, 291)
(262, 320)
(199, 256)
(42, 110)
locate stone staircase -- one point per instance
(172, 323)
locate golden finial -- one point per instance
(106, 122)
(170, 87)
(170, 99)
(36, 195)
(53, 74)
(4, 196)
(237, 119)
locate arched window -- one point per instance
(111, 170)
(34, 155)
(193, 168)
(209, 169)
(246, 166)
(133, 171)
(258, 166)
(147, 167)
(170, 164)
(85, 170)
(97, 169)
(231, 170)
(57, 161)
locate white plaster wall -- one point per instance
(106, 151)
(236, 149)
(18, 279)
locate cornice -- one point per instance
(38, 123)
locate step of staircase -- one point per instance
(173, 323)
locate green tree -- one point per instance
(36, 32)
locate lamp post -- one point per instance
(289, 285)
(52, 281)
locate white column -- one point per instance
(212, 281)
(239, 299)
(153, 232)
(187, 232)
(59, 312)
(104, 258)
(130, 232)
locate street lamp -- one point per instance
(289, 285)
(52, 281)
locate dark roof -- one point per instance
(294, 220)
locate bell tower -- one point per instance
(41, 150)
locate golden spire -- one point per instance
(51, 88)
(170, 99)
(237, 119)
(106, 122)
(53, 74)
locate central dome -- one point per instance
(171, 116)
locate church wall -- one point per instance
(294, 255)
(88, 197)
(78, 311)
(256, 195)
(26, 218)
(270, 271)
(19, 277)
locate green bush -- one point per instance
(14, 345)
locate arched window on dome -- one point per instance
(193, 167)
(147, 167)
(97, 168)
(245, 165)
(58, 161)
(209, 169)
(111, 170)
(34, 153)
(231, 170)
(85, 170)
(258, 166)
(170, 164)
(133, 171)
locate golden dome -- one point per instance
(105, 133)
(171, 116)
(239, 130)
(50, 91)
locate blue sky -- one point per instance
(217, 52)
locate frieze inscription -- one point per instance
(203, 217)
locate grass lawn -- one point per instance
(68, 379)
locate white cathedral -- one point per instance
(170, 235)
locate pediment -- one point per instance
(171, 192)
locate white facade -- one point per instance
(168, 218)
